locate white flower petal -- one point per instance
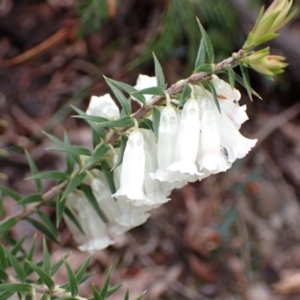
(224, 90)
(144, 82)
(103, 106)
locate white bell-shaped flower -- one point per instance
(234, 143)
(187, 141)
(144, 82)
(151, 186)
(133, 169)
(103, 106)
(224, 90)
(95, 235)
(210, 158)
(130, 216)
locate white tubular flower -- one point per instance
(151, 186)
(144, 82)
(224, 90)
(236, 145)
(103, 106)
(167, 133)
(187, 141)
(96, 235)
(133, 169)
(130, 216)
(210, 158)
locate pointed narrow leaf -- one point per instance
(141, 296)
(128, 89)
(57, 265)
(44, 277)
(47, 223)
(121, 98)
(160, 78)
(208, 45)
(5, 226)
(1, 205)
(122, 122)
(3, 259)
(53, 138)
(31, 199)
(124, 140)
(231, 77)
(60, 207)
(50, 175)
(96, 294)
(105, 287)
(92, 200)
(208, 85)
(99, 151)
(72, 218)
(127, 295)
(6, 294)
(46, 258)
(41, 227)
(112, 290)
(156, 91)
(246, 79)
(72, 280)
(77, 150)
(16, 287)
(33, 170)
(10, 193)
(18, 246)
(201, 54)
(16, 265)
(240, 80)
(73, 184)
(155, 120)
(207, 68)
(29, 256)
(3, 275)
(108, 174)
(80, 273)
(184, 95)
(146, 123)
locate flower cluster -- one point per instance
(193, 142)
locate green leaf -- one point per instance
(5, 226)
(108, 174)
(6, 294)
(16, 265)
(122, 122)
(127, 295)
(208, 45)
(29, 256)
(3, 275)
(10, 193)
(3, 259)
(124, 140)
(231, 77)
(72, 280)
(128, 89)
(208, 85)
(112, 290)
(146, 123)
(34, 171)
(98, 152)
(96, 294)
(41, 227)
(156, 91)
(77, 150)
(240, 80)
(57, 265)
(18, 246)
(1, 205)
(207, 68)
(16, 287)
(73, 184)
(92, 200)
(53, 138)
(72, 218)
(105, 287)
(31, 199)
(141, 296)
(184, 95)
(155, 121)
(201, 54)
(50, 175)
(159, 74)
(60, 207)
(121, 98)
(44, 277)
(46, 257)
(80, 273)
(47, 223)
(246, 80)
